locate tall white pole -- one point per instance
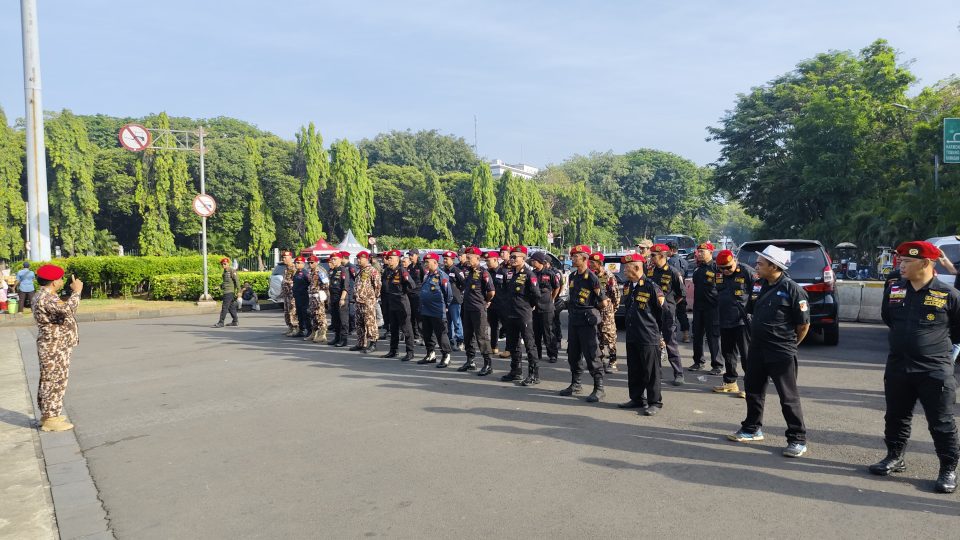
(203, 190)
(38, 211)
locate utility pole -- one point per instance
(38, 211)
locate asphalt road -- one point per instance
(194, 432)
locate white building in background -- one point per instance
(498, 167)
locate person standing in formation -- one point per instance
(301, 297)
(643, 317)
(231, 286)
(521, 292)
(57, 335)
(493, 311)
(366, 290)
(734, 284)
(706, 323)
(671, 283)
(397, 285)
(478, 292)
(319, 285)
(607, 330)
(455, 324)
(680, 264)
(586, 299)
(340, 285)
(286, 294)
(543, 313)
(416, 271)
(559, 304)
(435, 298)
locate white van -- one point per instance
(950, 245)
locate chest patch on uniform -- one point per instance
(473, 285)
(738, 280)
(583, 295)
(931, 317)
(938, 294)
(934, 301)
(897, 293)
(757, 288)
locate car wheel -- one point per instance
(831, 334)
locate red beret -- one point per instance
(632, 257)
(505, 248)
(472, 250)
(580, 249)
(519, 249)
(337, 254)
(493, 254)
(707, 246)
(393, 253)
(919, 250)
(725, 257)
(299, 259)
(286, 253)
(225, 260)
(450, 254)
(313, 258)
(596, 256)
(365, 254)
(659, 248)
(434, 256)
(50, 272)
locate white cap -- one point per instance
(777, 256)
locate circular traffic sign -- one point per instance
(204, 205)
(135, 137)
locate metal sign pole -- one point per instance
(203, 220)
(38, 213)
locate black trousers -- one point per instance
(936, 395)
(706, 323)
(643, 374)
(435, 331)
(682, 316)
(493, 317)
(229, 306)
(783, 371)
(339, 316)
(543, 333)
(415, 313)
(303, 314)
(669, 332)
(734, 343)
(400, 322)
(476, 328)
(582, 342)
(557, 330)
(520, 327)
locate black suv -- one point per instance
(811, 268)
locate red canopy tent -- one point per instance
(321, 248)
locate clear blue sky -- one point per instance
(552, 78)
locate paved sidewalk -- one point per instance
(27, 507)
(26, 319)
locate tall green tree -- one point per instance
(349, 169)
(439, 207)
(312, 166)
(73, 200)
(510, 208)
(423, 149)
(13, 209)
(489, 227)
(536, 221)
(260, 225)
(156, 174)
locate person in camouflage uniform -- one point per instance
(607, 329)
(57, 335)
(319, 285)
(286, 294)
(366, 292)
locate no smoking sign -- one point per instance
(204, 205)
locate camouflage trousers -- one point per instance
(607, 334)
(54, 372)
(290, 312)
(319, 311)
(367, 331)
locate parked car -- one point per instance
(686, 245)
(950, 246)
(811, 268)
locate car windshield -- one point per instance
(807, 261)
(952, 251)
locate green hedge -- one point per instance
(190, 286)
(115, 275)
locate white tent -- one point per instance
(351, 245)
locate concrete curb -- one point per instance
(21, 319)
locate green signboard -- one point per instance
(951, 140)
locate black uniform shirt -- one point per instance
(499, 277)
(549, 281)
(416, 271)
(705, 286)
(477, 285)
(733, 292)
(339, 281)
(521, 292)
(643, 313)
(777, 311)
(301, 282)
(397, 285)
(671, 283)
(923, 326)
(456, 283)
(679, 263)
(586, 294)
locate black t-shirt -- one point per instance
(923, 326)
(643, 314)
(301, 282)
(549, 281)
(671, 283)
(416, 271)
(499, 277)
(733, 293)
(586, 294)
(777, 310)
(521, 292)
(477, 286)
(397, 286)
(705, 286)
(340, 281)
(456, 283)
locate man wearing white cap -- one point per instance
(781, 319)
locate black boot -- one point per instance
(357, 347)
(487, 367)
(947, 480)
(598, 393)
(515, 374)
(408, 357)
(371, 348)
(218, 325)
(341, 343)
(890, 464)
(391, 354)
(333, 341)
(533, 376)
(574, 387)
(444, 360)
(430, 358)
(469, 365)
